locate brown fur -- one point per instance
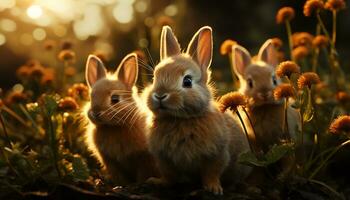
(267, 114)
(189, 137)
(117, 134)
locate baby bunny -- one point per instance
(257, 82)
(189, 137)
(117, 136)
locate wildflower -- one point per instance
(287, 68)
(343, 97)
(16, 98)
(32, 63)
(37, 71)
(66, 45)
(302, 39)
(340, 125)
(140, 55)
(68, 104)
(277, 42)
(66, 55)
(49, 45)
(320, 41)
(226, 47)
(47, 79)
(335, 5)
(231, 101)
(285, 14)
(283, 91)
(300, 52)
(79, 90)
(101, 55)
(280, 56)
(312, 6)
(23, 72)
(308, 79)
(165, 20)
(70, 71)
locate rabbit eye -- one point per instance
(114, 99)
(250, 83)
(187, 81)
(274, 80)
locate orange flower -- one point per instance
(285, 14)
(287, 68)
(343, 97)
(16, 97)
(49, 45)
(320, 41)
(101, 55)
(277, 42)
(37, 71)
(307, 79)
(312, 6)
(66, 45)
(226, 46)
(68, 104)
(302, 39)
(79, 91)
(283, 91)
(300, 52)
(23, 72)
(340, 125)
(165, 20)
(335, 5)
(231, 101)
(66, 55)
(70, 71)
(48, 78)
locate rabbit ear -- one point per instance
(268, 53)
(95, 70)
(201, 48)
(240, 59)
(168, 43)
(127, 71)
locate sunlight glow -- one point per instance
(4, 4)
(8, 25)
(35, 11)
(39, 34)
(123, 13)
(2, 39)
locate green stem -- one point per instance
(290, 41)
(53, 144)
(327, 186)
(14, 115)
(245, 131)
(327, 158)
(25, 112)
(315, 59)
(257, 149)
(5, 129)
(324, 29)
(334, 34)
(286, 119)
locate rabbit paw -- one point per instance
(214, 188)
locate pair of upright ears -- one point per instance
(241, 58)
(126, 72)
(200, 47)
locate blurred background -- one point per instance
(29, 28)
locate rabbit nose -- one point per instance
(264, 95)
(160, 97)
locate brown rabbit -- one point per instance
(117, 136)
(257, 82)
(189, 137)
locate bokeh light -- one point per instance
(34, 11)
(2, 39)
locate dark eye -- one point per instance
(187, 81)
(250, 83)
(114, 99)
(274, 80)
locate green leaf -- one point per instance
(272, 156)
(309, 109)
(80, 168)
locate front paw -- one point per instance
(157, 181)
(214, 187)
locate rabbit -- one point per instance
(189, 137)
(257, 81)
(117, 133)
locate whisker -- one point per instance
(115, 114)
(150, 57)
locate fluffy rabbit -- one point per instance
(117, 136)
(189, 137)
(257, 82)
